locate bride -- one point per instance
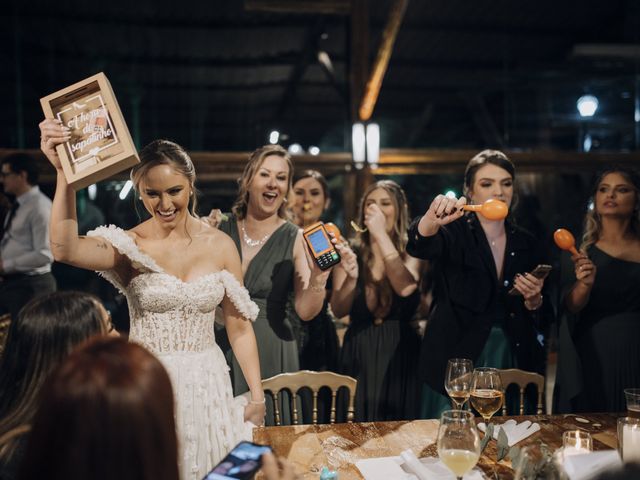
(174, 271)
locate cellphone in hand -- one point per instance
(541, 272)
(240, 463)
(320, 246)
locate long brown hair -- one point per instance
(45, 332)
(255, 161)
(105, 414)
(399, 237)
(593, 221)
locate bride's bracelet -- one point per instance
(258, 402)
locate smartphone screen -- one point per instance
(240, 463)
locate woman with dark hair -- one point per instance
(44, 333)
(106, 414)
(174, 271)
(379, 293)
(476, 262)
(279, 273)
(318, 340)
(600, 331)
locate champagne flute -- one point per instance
(458, 379)
(486, 392)
(458, 441)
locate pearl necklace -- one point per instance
(250, 241)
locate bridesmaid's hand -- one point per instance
(215, 218)
(585, 269)
(254, 413)
(349, 260)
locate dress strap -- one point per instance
(122, 242)
(239, 296)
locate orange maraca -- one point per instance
(565, 240)
(333, 229)
(492, 209)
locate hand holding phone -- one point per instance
(320, 245)
(541, 272)
(241, 463)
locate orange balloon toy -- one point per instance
(333, 229)
(565, 240)
(492, 209)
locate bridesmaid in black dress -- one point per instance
(317, 338)
(380, 347)
(600, 333)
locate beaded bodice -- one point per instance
(167, 314)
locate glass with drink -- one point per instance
(458, 441)
(629, 439)
(457, 380)
(632, 396)
(486, 392)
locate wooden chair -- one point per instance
(522, 378)
(295, 381)
(5, 321)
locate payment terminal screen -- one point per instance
(319, 242)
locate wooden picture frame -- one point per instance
(100, 144)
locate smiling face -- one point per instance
(491, 181)
(165, 193)
(615, 196)
(381, 197)
(309, 201)
(269, 186)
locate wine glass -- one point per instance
(458, 441)
(457, 381)
(486, 392)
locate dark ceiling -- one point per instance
(220, 75)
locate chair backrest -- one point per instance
(522, 378)
(5, 321)
(314, 381)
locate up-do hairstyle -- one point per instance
(316, 175)
(255, 162)
(593, 221)
(106, 413)
(166, 152)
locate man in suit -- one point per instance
(25, 255)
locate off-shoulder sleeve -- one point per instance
(239, 296)
(122, 242)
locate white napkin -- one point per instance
(588, 465)
(408, 467)
(516, 432)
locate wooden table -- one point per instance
(340, 446)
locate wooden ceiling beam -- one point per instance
(389, 35)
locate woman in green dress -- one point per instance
(279, 272)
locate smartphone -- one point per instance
(240, 463)
(541, 272)
(319, 242)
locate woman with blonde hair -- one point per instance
(600, 331)
(281, 276)
(174, 271)
(380, 295)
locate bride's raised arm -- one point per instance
(67, 246)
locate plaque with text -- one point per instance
(100, 144)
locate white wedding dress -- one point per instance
(174, 320)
